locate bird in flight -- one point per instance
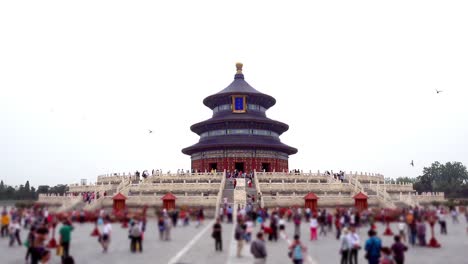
(438, 91)
(412, 163)
(150, 131)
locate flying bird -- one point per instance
(150, 131)
(438, 91)
(412, 163)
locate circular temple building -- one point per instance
(239, 136)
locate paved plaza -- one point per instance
(195, 246)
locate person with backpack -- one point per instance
(296, 250)
(239, 234)
(258, 249)
(161, 228)
(217, 231)
(398, 250)
(135, 237)
(373, 246)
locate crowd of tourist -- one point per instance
(272, 223)
(411, 227)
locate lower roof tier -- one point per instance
(239, 141)
(239, 121)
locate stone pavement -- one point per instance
(195, 246)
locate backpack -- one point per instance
(297, 252)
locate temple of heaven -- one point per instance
(239, 136)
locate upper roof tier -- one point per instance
(239, 87)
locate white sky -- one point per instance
(82, 82)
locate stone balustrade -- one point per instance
(191, 201)
(323, 201)
(117, 177)
(307, 187)
(200, 187)
(57, 199)
(88, 188)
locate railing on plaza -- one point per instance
(220, 193)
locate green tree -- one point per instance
(406, 180)
(43, 189)
(450, 178)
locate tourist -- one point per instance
(239, 237)
(217, 231)
(14, 231)
(308, 214)
(401, 229)
(322, 220)
(355, 246)
(30, 241)
(282, 225)
(82, 217)
(313, 223)
(200, 217)
(421, 232)
(65, 237)
(386, 256)
(229, 214)
(174, 216)
(345, 246)
(338, 225)
(373, 246)
(297, 223)
(296, 250)
(454, 215)
(413, 231)
(5, 223)
(398, 250)
(258, 249)
(161, 227)
(38, 246)
(167, 228)
(135, 237)
(273, 235)
(248, 229)
(106, 235)
(221, 214)
(442, 222)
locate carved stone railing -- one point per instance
(259, 190)
(220, 193)
(322, 187)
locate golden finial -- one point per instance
(239, 67)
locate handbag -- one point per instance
(59, 251)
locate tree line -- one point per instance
(450, 178)
(27, 192)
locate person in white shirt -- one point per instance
(313, 227)
(248, 230)
(355, 242)
(282, 225)
(106, 235)
(345, 246)
(401, 229)
(14, 230)
(442, 222)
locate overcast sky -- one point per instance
(82, 82)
